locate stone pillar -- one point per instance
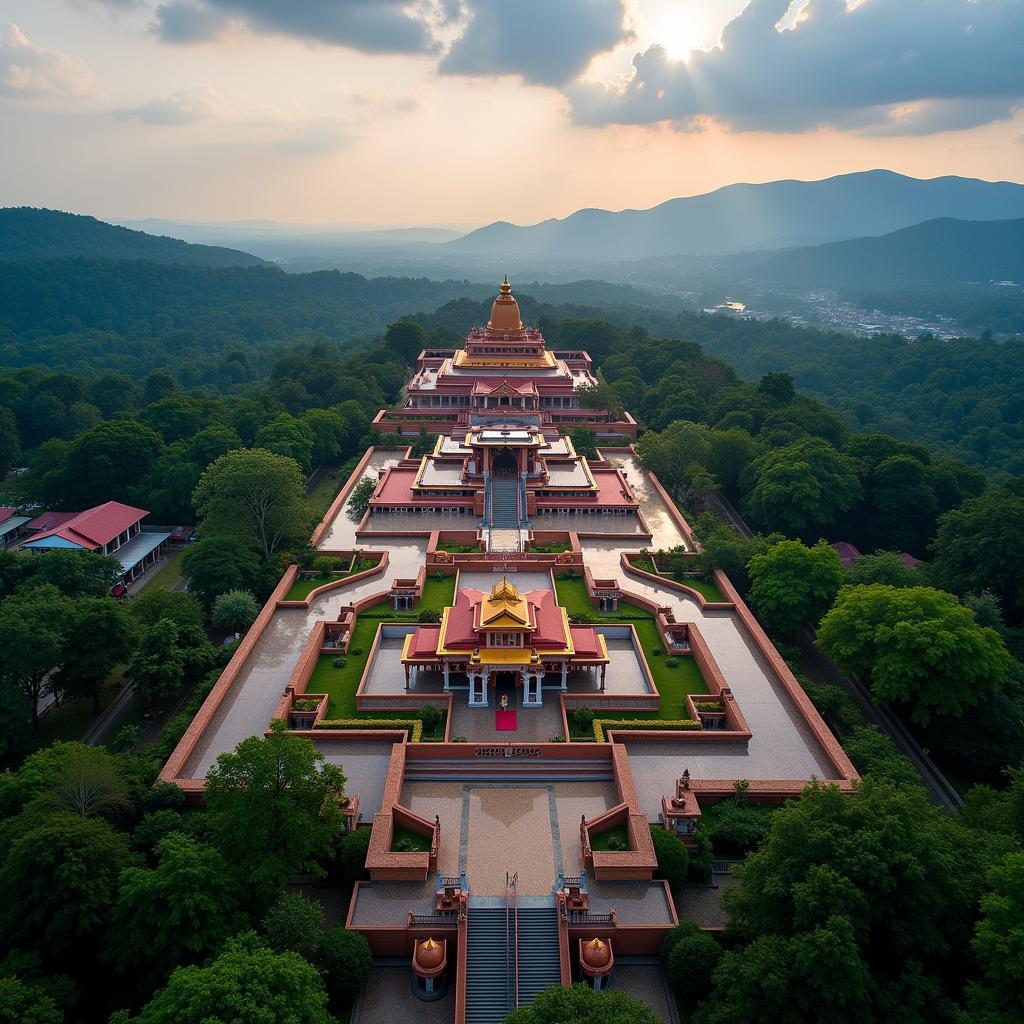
(565, 675)
(446, 677)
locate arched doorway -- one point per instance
(505, 463)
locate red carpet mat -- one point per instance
(504, 721)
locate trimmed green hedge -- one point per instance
(679, 725)
(413, 725)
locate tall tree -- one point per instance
(33, 639)
(177, 912)
(273, 806)
(102, 634)
(255, 496)
(920, 647)
(980, 546)
(111, 462)
(247, 983)
(217, 564)
(76, 573)
(59, 881)
(801, 489)
(793, 585)
(10, 444)
(670, 453)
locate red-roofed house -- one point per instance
(112, 528)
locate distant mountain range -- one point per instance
(935, 252)
(744, 217)
(29, 233)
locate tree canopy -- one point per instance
(920, 646)
(793, 585)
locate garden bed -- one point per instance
(614, 839)
(404, 840)
(302, 588)
(673, 682)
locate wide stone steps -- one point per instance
(509, 769)
(489, 989)
(504, 504)
(539, 966)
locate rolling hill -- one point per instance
(30, 233)
(743, 217)
(941, 250)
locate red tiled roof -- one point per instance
(95, 526)
(847, 553)
(424, 642)
(50, 520)
(5, 513)
(584, 639)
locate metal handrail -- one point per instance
(514, 883)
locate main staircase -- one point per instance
(503, 942)
(539, 964)
(490, 988)
(504, 503)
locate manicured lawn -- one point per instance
(170, 572)
(673, 683)
(404, 840)
(437, 593)
(301, 589)
(614, 838)
(709, 591)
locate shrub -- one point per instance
(616, 843)
(671, 663)
(294, 923)
(340, 662)
(583, 719)
(353, 854)
(673, 859)
(601, 725)
(431, 718)
(343, 959)
(459, 739)
(414, 726)
(581, 619)
(326, 565)
(690, 966)
(355, 651)
(429, 615)
(306, 704)
(656, 652)
(235, 610)
(404, 845)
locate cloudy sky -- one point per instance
(464, 111)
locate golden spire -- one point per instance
(505, 286)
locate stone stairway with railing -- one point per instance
(539, 963)
(490, 988)
(504, 503)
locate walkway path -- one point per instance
(782, 746)
(248, 707)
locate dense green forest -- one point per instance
(916, 915)
(29, 233)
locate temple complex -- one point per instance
(504, 373)
(517, 692)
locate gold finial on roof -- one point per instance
(505, 286)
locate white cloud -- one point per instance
(188, 107)
(31, 71)
(891, 66)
